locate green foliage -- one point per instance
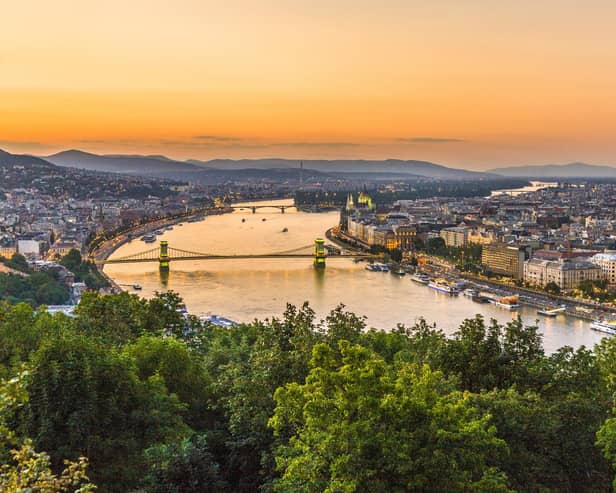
(184, 467)
(86, 400)
(361, 425)
(552, 288)
(31, 471)
(84, 271)
(38, 288)
(160, 402)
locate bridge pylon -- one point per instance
(163, 256)
(319, 253)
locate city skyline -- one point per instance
(471, 85)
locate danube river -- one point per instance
(247, 289)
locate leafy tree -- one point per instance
(181, 370)
(359, 425)
(31, 471)
(552, 287)
(184, 467)
(86, 400)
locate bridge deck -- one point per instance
(226, 257)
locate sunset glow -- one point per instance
(476, 84)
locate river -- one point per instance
(533, 187)
(247, 289)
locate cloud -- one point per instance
(212, 144)
(23, 145)
(217, 138)
(314, 144)
(428, 140)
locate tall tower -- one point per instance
(350, 204)
(301, 173)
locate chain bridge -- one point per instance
(164, 255)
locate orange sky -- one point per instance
(468, 83)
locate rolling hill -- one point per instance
(571, 170)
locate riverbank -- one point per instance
(574, 307)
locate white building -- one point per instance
(566, 274)
(607, 262)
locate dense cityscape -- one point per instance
(307, 247)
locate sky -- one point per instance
(465, 83)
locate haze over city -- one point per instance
(470, 84)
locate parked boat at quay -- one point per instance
(551, 312)
(443, 286)
(605, 326)
(420, 278)
(471, 292)
(148, 238)
(508, 302)
(377, 267)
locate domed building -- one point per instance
(364, 201)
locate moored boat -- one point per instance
(605, 326)
(443, 286)
(508, 302)
(420, 277)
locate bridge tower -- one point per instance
(163, 256)
(319, 253)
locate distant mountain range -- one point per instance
(130, 164)
(218, 170)
(169, 168)
(10, 160)
(572, 170)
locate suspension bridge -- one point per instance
(164, 255)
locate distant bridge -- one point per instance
(164, 255)
(254, 208)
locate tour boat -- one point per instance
(443, 286)
(605, 326)
(137, 287)
(149, 238)
(508, 302)
(420, 278)
(471, 292)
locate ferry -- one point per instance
(443, 286)
(420, 277)
(605, 326)
(481, 299)
(508, 302)
(148, 238)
